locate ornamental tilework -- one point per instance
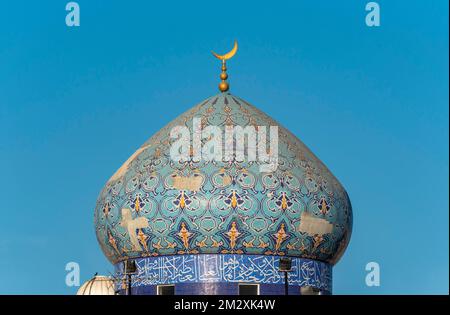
(154, 206)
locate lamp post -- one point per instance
(285, 266)
(129, 268)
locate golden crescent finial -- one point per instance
(229, 54)
(223, 85)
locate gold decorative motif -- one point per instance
(182, 201)
(324, 206)
(233, 202)
(171, 245)
(142, 239)
(249, 244)
(202, 243)
(233, 234)
(137, 204)
(317, 240)
(158, 245)
(216, 243)
(184, 234)
(283, 202)
(280, 237)
(262, 244)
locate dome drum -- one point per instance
(222, 274)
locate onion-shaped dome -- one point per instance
(154, 206)
(98, 285)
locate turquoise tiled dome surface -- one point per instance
(154, 206)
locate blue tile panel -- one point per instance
(220, 274)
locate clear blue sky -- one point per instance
(371, 103)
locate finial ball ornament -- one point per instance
(223, 86)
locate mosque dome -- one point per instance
(222, 200)
(98, 285)
(155, 206)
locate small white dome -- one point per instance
(99, 285)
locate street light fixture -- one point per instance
(129, 268)
(285, 266)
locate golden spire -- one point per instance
(223, 85)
